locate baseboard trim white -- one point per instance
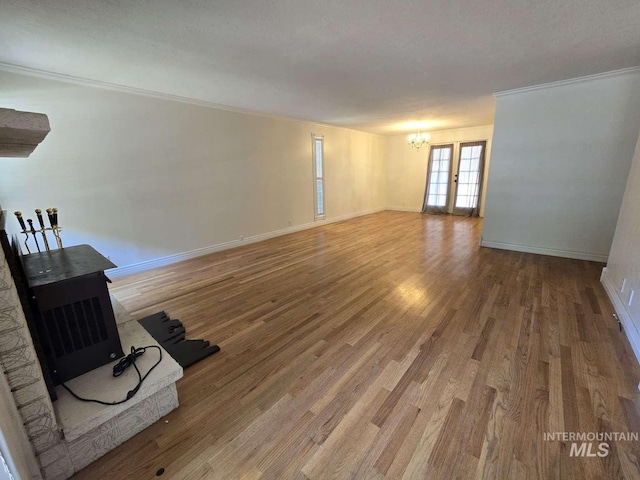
(404, 209)
(594, 257)
(179, 257)
(628, 326)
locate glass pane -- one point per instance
(319, 197)
(466, 201)
(439, 177)
(319, 158)
(468, 177)
(462, 201)
(437, 200)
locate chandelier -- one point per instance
(419, 139)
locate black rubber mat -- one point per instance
(171, 335)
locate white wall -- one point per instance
(141, 178)
(560, 160)
(624, 259)
(407, 168)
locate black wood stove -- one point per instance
(73, 315)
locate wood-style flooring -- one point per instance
(387, 346)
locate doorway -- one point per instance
(454, 179)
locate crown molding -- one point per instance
(587, 78)
(86, 82)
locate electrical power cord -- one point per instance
(121, 367)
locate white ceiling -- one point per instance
(372, 65)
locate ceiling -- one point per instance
(373, 65)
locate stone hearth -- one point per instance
(68, 435)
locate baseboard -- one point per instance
(628, 326)
(404, 209)
(179, 257)
(593, 257)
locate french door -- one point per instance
(436, 198)
(468, 181)
(460, 193)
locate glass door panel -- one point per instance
(438, 179)
(469, 179)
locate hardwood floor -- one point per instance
(388, 346)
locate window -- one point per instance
(318, 176)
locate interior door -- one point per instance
(436, 198)
(468, 180)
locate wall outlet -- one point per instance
(241, 237)
(624, 283)
(290, 222)
(631, 297)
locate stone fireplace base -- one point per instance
(69, 457)
(69, 435)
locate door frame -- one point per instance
(433, 209)
(468, 212)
